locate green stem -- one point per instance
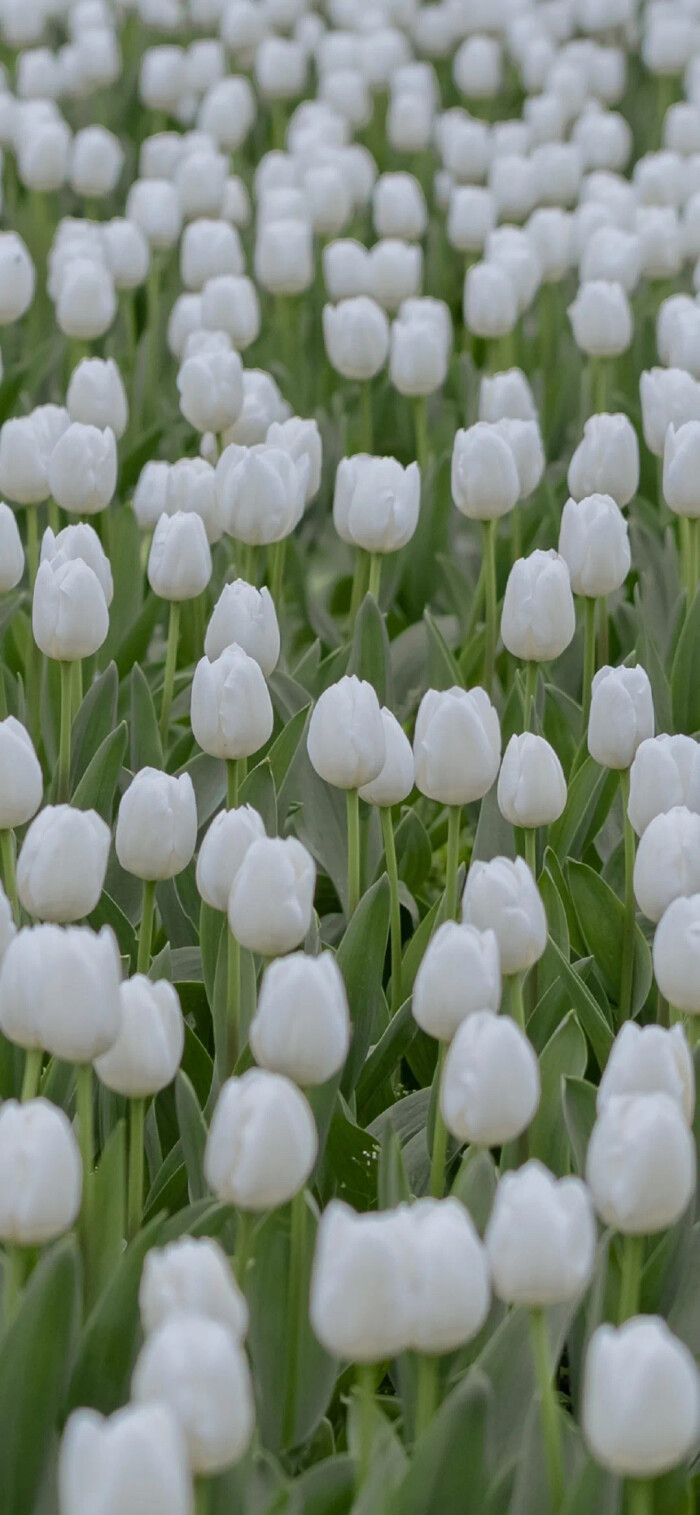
(640, 1496)
(426, 1392)
(603, 632)
(515, 997)
(375, 574)
(454, 825)
(63, 791)
(548, 1409)
(153, 326)
(631, 1280)
(9, 872)
(143, 961)
(77, 689)
(439, 1152)
(137, 1112)
(364, 1389)
(12, 1281)
(202, 1493)
(296, 1312)
(245, 1224)
(598, 384)
(33, 1059)
(170, 665)
(420, 421)
(531, 849)
(233, 996)
(627, 966)
(353, 817)
(277, 553)
(359, 581)
(489, 559)
(366, 423)
(86, 1141)
(393, 876)
(231, 783)
(588, 656)
(32, 542)
(531, 677)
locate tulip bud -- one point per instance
(26, 444)
(302, 440)
(551, 233)
(531, 783)
(83, 469)
(11, 550)
(87, 301)
(398, 207)
(668, 861)
(396, 778)
(59, 989)
(262, 404)
(376, 502)
(210, 386)
(641, 1398)
(649, 1060)
(70, 619)
(21, 779)
(127, 253)
(200, 178)
(228, 110)
(231, 711)
(440, 1234)
(301, 1027)
(485, 482)
(42, 1173)
(669, 397)
(606, 460)
(538, 619)
(191, 486)
(356, 334)
(681, 462)
(345, 740)
(245, 615)
(262, 492)
(96, 396)
(490, 300)
(191, 1277)
(357, 1307)
(148, 1049)
(594, 543)
(506, 395)
(665, 773)
(179, 562)
(62, 864)
(96, 162)
(196, 1367)
(459, 975)
(502, 896)
(456, 745)
(540, 1238)
(209, 249)
(601, 319)
(230, 303)
(17, 277)
(471, 216)
(223, 849)
(491, 1081)
(510, 248)
(511, 179)
(283, 259)
(621, 715)
(419, 355)
(525, 441)
(156, 824)
(677, 954)
(262, 1141)
(613, 255)
(271, 900)
(640, 1164)
(136, 1453)
(154, 204)
(396, 272)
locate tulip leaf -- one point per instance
(134, 644)
(475, 1184)
(193, 1135)
(259, 791)
(565, 1055)
(591, 793)
(601, 917)
(146, 748)
(444, 671)
(328, 1488)
(414, 853)
(108, 913)
(450, 1470)
(109, 1210)
(385, 1056)
(685, 690)
(96, 719)
(369, 653)
(98, 784)
(590, 1015)
(360, 958)
(579, 1104)
(109, 1339)
(34, 1363)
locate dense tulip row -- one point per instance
(349, 762)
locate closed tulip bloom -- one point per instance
(531, 783)
(196, 1367)
(621, 715)
(139, 1457)
(62, 863)
(271, 900)
(154, 205)
(345, 741)
(87, 301)
(148, 1048)
(223, 849)
(356, 334)
(459, 975)
(208, 249)
(502, 896)
(42, 1173)
(551, 233)
(230, 303)
(525, 441)
(398, 207)
(665, 773)
(641, 1398)
(283, 259)
(11, 550)
(471, 215)
(96, 395)
(231, 711)
(669, 397)
(540, 1238)
(538, 619)
(245, 615)
(127, 252)
(456, 745)
(668, 861)
(262, 404)
(601, 319)
(640, 1164)
(396, 777)
(358, 1310)
(649, 1059)
(302, 1023)
(419, 356)
(396, 271)
(490, 300)
(301, 438)
(345, 269)
(150, 494)
(70, 619)
(210, 386)
(490, 1087)
(677, 954)
(262, 491)
(376, 502)
(594, 543)
(191, 1276)
(440, 1237)
(485, 481)
(59, 989)
(83, 469)
(510, 248)
(17, 277)
(614, 255)
(96, 161)
(681, 485)
(156, 824)
(512, 182)
(606, 460)
(179, 562)
(26, 443)
(262, 1141)
(673, 315)
(21, 779)
(191, 486)
(506, 395)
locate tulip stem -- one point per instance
(489, 563)
(65, 735)
(426, 1392)
(420, 422)
(9, 872)
(231, 783)
(529, 701)
(32, 543)
(359, 580)
(33, 1059)
(588, 656)
(233, 965)
(598, 385)
(86, 1140)
(169, 669)
(631, 1280)
(393, 875)
(296, 1312)
(548, 1408)
(439, 1152)
(353, 816)
(137, 1112)
(375, 574)
(245, 1223)
(143, 961)
(640, 1496)
(202, 1490)
(603, 631)
(627, 964)
(515, 996)
(277, 553)
(12, 1281)
(366, 423)
(454, 826)
(364, 1389)
(531, 849)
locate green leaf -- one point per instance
(351, 1157)
(444, 671)
(593, 1021)
(34, 1357)
(369, 653)
(685, 689)
(193, 1135)
(360, 958)
(590, 791)
(96, 719)
(414, 854)
(98, 784)
(449, 1472)
(146, 748)
(601, 917)
(475, 1184)
(108, 913)
(259, 791)
(109, 1339)
(386, 1055)
(109, 1209)
(579, 1104)
(565, 1054)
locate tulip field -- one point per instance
(349, 757)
